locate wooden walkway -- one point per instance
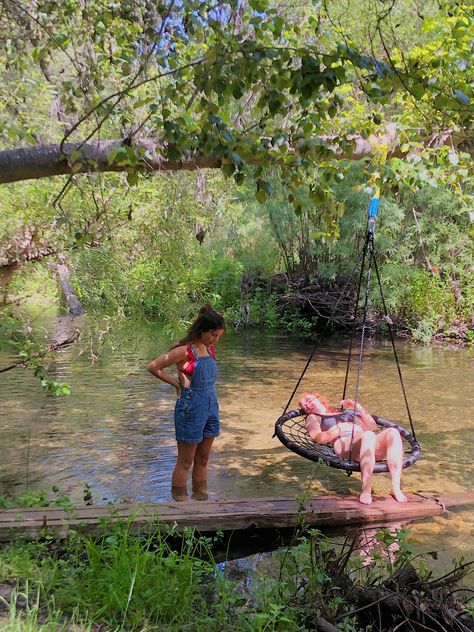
(225, 515)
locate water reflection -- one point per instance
(115, 431)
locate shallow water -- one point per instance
(115, 432)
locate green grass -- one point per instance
(128, 581)
(157, 581)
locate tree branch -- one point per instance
(53, 347)
(44, 161)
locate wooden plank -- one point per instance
(225, 515)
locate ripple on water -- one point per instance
(115, 432)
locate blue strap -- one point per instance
(374, 207)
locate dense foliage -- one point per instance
(282, 99)
(121, 579)
(160, 250)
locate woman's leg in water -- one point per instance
(184, 461)
(201, 459)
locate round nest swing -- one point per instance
(290, 429)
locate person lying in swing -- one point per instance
(356, 440)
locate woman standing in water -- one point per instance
(196, 414)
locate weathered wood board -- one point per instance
(225, 515)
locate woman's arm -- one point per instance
(157, 366)
(368, 422)
(313, 426)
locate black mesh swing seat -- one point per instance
(290, 429)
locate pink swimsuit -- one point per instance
(191, 354)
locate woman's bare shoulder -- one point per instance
(173, 356)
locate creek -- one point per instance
(115, 431)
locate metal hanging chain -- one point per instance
(326, 326)
(354, 318)
(370, 239)
(364, 318)
(329, 321)
(356, 306)
(368, 245)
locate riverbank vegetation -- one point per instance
(158, 251)
(267, 159)
(167, 581)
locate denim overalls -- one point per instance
(196, 414)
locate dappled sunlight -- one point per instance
(449, 538)
(115, 432)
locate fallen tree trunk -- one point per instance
(20, 248)
(63, 274)
(44, 161)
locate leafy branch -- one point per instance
(35, 361)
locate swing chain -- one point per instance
(369, 247)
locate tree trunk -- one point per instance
(43, 161)
(63, 274)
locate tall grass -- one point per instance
(164, 582)
(125, 580)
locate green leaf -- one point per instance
(132, 178)
(119, 156)
(418, 90)
(236, 159)
(173, 153)
(239, 177)
(237, 91)
(228, 169)
(261, 196)
(263, 185)
(275, 101)
(140, 102)
(220, 86)
(259, 5)
(278, 25)
(442, 101)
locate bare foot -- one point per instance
(399, 496)
(366, 498)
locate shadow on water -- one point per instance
(115, 432)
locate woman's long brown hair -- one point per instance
(207, 320)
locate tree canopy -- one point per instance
(279, 98)
(139, 86)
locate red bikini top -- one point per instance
(191, 355)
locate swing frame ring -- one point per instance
(317, 452)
